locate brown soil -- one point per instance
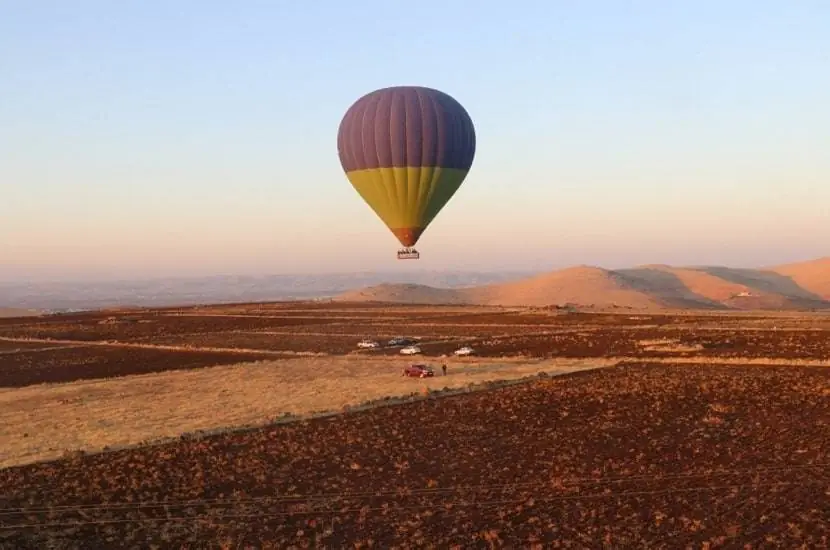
(146, 327)
(67, 364)
(43, 422)
(7, 347)
(264, 340)
(642, 456)
(89, 346)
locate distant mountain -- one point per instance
(59, 296)
(798, 286)
(18, 312)
(407, 294)
(801, 286)
(813, 277)
(576, 285)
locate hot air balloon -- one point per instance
(406, 150)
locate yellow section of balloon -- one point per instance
(407, 197)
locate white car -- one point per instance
(466, 350)
(410, 350)
(368, 344)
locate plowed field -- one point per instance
(713, 431)
(66, 364)
(636, 456)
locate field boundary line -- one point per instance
(284, 354)
(725, 361)
(38, 350)
(162, 347)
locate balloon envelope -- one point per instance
(406, 150)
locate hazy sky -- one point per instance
(150, 137)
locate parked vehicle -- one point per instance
(466, 350)
(410, 350)
(401, 341)
(418, 371)
(368, 344)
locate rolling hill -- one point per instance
(799, 286)
(406, 293)
(813, 277)
(18, 312)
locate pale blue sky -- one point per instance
(183, 137)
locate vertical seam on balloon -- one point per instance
(399, 194)
(425, 172)
(457, 149)
(418, 166)
(388, 190)
(362, 127)
(435, 176)
(357, 154)
(408, 186)
(378, 190)
(360, 156)
(352, 150)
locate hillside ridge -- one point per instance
(797, 286)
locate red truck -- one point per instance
(418, 371)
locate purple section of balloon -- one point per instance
(406, 126)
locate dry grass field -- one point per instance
(40, 422)
(572, 430)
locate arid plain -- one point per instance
(263, 426)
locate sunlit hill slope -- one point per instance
(799, 286)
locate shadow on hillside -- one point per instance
(763, 281)
(665, 287)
